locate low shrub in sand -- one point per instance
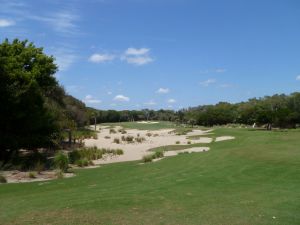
(84, 156)
(112, 131)
(130, 139)
(107, 137)
(155, 155)
(32, 175)
(177, 142)
(61, 161)
(119, 152)
(2, 179)
(122, 131)
(147, 158)
(116, 140)
(140, 139)
(189, 142)
(149, 134)
(158, 154)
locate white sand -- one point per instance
(135, 151)
(224, 138)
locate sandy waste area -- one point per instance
(153, 139)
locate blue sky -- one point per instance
(134, 54)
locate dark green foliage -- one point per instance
(34, 108)
(26, 79)
(2, 179)
(61, 161)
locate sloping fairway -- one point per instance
(254, 179)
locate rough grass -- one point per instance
(254, 179)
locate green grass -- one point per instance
(248, 180)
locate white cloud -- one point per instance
(139, 61)
(63, 22)
(90, 99)
(136, 51)
(100, 58)
(151, 102)
(121, 98)
(6, 23)
(171, 101)
(298, 77)
(163, 90)
(137, 56)
(208, 82)
(109, 93)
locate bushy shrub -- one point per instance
(116, 140)
(2, 179)
(147, 158)
(123, 138)
(61, 161)
(189, 142)
(177, 142)
(107, 137)
(149, 134)
(32, 175)
(74, 156)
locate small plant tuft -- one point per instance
(177, 142)
(147, 158)
(117, 140)
(32, 175)
(59, 174)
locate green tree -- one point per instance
(26, 82)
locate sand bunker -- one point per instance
(224, 138)
(23, 177)
(135, 151)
